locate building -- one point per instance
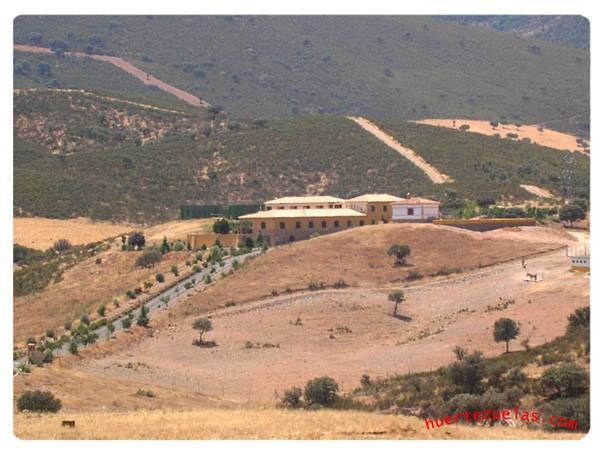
(280, 226)
(377, 207)
(313, 202)
(415, 209)
(580, 258)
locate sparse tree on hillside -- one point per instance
(148, 259)
(464, 127)
(62, 245)
(397, 297)
(214, 111)
(322, 391)
(506, 330)
(400, 252)
(136, 240)
(202, 326)
(571, 213)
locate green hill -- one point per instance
(388, 66)
(115, 170)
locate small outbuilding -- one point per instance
(415, 209)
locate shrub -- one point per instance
(165, 245)
(110, 327)
(578, 409)
(136, 240)
(160, 278)
(292, 398)
(221, 226)
(62, 245)
(143, 318)
(468, 373)
(565, 380)
(322, 391)
(148, 259)
(85, 319)
(67, 326)
(174, 270)
(50, 333)
(39, 401)
(208, 279)
(98, 261)
(126, 323)
(571, 213)
(73, 347)
(102, 310)
(413, 275)
(581, 318)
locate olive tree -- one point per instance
(202, 326)
(505, 330)
(397, 297)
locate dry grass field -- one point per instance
(41, 233)
(358, 257)
(254, 424)
(177, 229)
(546, 137)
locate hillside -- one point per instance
(71, 146)
(574, 31)
(403, 67)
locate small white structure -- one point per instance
(415, 209)
(580, 258)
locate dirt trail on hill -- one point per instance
(538, 191)
(432, 172)
(122, 64)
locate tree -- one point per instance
(202, 326)
(571, 213)
(322, 391)
(505, 330)
(214, 111)
(136, 240)
(400, 252)
(292, 398)
(221, 226)
(397, 297)
(565, 380)
(468, 373)
(143, 318)
(165, 246)
(581, 318)
(44, 70)
(148, 259)
(486, 201)
(39, 401)
(464, 127)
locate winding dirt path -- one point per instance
(538, 191)
(432, 172)
(128, 67)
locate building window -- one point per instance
(307, 207)
(282, 225)
(409, 211)
(263, 225)
(338, 206)
(331, 206)
(295, 207)
(384, 221)
(336, 224)
(373, 221)
(373, 208)
(385, 208)
(320, 206)
(298, 225)
(280, 207)
(268, 208)
(310, 224)
(361, 223)
(290, 238)
(349, 224)
(323, 224)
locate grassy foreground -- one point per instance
(253, 424)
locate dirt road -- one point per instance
(538, 191)
(267, 346)
(433, 173)
(122, 64)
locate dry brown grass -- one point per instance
(253, 424)
(547, 137)
(358, 256)
(41, 233)
(177, 229)
(85, 287)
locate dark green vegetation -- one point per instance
(401, 67)
(37, 269)
(568, 30)
(75, 122)
(487, 165)
(42, 71)
(254, 163)
(38, 401)
(475, 383)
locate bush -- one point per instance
(126, 323)
(581, 318)
(468, 373)
(221, 226)
(292, 398)
(400, 252)
(73, 347)
(565, 380)
(578, 409)
(571, 213)
(322, 391)
(174, 270)
(38, 401)
(143, 318)
(67, 326)
(62, 245)
(136, 240)
(85, 319)
(102, 310)
(148, 259)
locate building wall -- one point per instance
(291, 232)
(197, 240)
(378, 212)
(421, 213)
(582, 263)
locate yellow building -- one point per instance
(377, 207)
(288, 225)
(310, 202)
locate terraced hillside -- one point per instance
(403, 67)
(163, 159)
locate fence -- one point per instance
(207, 211)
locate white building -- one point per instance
(415, 209)
(312, 202)
(580, 258)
